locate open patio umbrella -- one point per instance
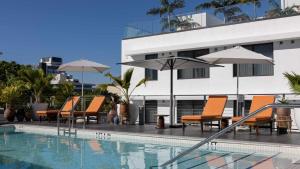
(83, 66)
(170, 63)
(236, 55)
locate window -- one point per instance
(189, 107)
(195, 73)
(151, 74)
(256, 69)
(150, 111)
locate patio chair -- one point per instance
(213, 111)
(70, 104)
(93, 109)
(264, 117)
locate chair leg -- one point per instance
(271, 127)
(202, 127)
(250, 127)
(219, 125)
(183, 126)
(257, 132)
(234, 130)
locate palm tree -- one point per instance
(294, 81)
(276, 10)
(228, 8)
(256, 4)
(37, 81)
(166, 8)
(123, 84)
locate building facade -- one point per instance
(277, 38)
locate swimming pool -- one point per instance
(20, 150)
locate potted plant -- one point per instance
(9, 95)
(20, 114)
(38, 83)
(123, 84)
(294, 82)
(283, 117)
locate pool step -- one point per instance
(67, 131)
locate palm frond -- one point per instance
(153, 11)
(116, 80)
(294, 81)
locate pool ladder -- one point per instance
(227, 129)
(67, 131)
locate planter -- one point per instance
(38, 107)
(134, 113)
(124, 113)
(9, 114)
(111, 115)
(283, 120)
(297, 117)
(20, 114)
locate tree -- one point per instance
(166, 8)
(276, 10)
(123, 84)
(9, 69)
(294, 81)
(62, 91)
(37, 81)
(228, 8)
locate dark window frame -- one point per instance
(151, 71)
(193, 54)
(254, 48)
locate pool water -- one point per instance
(32, 151)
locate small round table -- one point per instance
(160, 120)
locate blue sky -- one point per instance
(71, 29)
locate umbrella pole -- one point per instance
(237, 89)
(171, 95)
(82, 103)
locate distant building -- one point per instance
(51, 64)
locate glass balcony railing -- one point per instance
(258, 10)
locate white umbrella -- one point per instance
(236, 55)
(170, 63)
(83, 66)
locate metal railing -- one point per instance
(232, 126)
(245, 12)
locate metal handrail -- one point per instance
(220, 133)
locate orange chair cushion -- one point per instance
(213, 109)
(92, 110)
(252, 120)
(70, 104)
(96, 104)
(215, 106)
(260, 101)
(67, 107)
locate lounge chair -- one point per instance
(213, 111)
(93, 109)
(264, 117)
(70, 104)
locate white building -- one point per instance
(278, 38)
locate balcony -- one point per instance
(249, 12)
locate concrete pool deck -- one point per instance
(191, 131)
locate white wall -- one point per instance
(289, 3)
(221, 81)
(251, 32)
